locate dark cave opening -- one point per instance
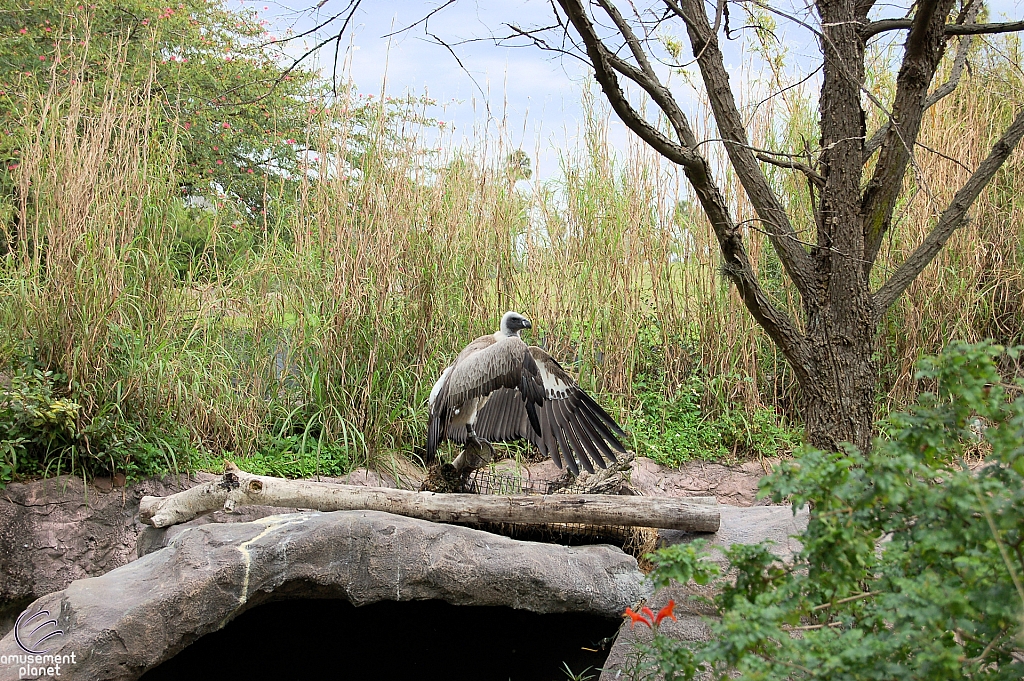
(332, 639)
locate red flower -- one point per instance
(665, 612)
(636, 617)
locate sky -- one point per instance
(531, 97)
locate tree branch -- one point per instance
(811, 174)
(797, 262)
(924, 49)
(951, 218)
(736, 263)
(955, 73)
(876, 27)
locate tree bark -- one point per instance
(237, 488)
(831, 352)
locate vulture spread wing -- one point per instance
(574, 430)
(485, 367)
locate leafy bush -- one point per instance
(912, 562)
(45, 430)
(673, 430)
(35, 422)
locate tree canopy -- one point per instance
(219, 81)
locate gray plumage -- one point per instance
(500, 389)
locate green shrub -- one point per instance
(35, 423)
(912, 561)
(44, 430)
(673, 430)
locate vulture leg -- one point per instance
(476, 454)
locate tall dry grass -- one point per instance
(335, 323)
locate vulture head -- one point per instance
(513, 322)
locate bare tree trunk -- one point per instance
(831, 352)
(838, 403)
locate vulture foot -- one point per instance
(477, 454)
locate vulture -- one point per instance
(501, 389)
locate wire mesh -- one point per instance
(637, 541)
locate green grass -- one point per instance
(674, 430)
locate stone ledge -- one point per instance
(749, 525)
(130, 619)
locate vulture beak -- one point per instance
(527, 324)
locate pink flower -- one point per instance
(289, 141)
(23, 31)
(42, 57)
(220, 162)
(145, 22)
(188, 125)
(216, 148)
(225, 125)
(249, 171)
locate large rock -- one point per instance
(55, 531)
(131, 619)
(751, 525)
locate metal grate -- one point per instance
(637, 541)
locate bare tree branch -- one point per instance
(421, 20)
(924, 49)
(951, 218)
(794, 258)
(876, 27)
(811, 174)
(736, 263)
(955, 73)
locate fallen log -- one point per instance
(237, 488)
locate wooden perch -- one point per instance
(237, 488)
